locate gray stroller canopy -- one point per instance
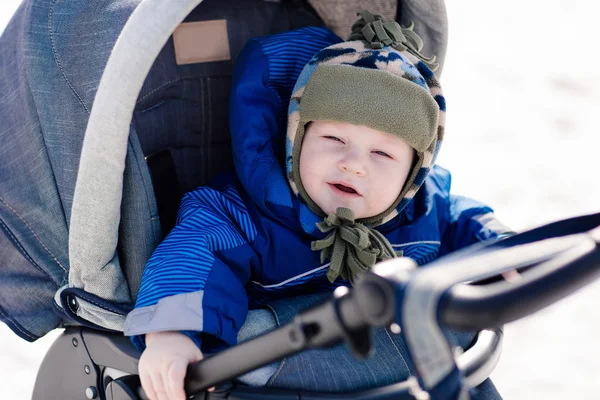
(100, 142)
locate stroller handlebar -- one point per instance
(551, 268)
(542, 284)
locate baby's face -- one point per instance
(353, 166)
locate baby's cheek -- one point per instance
(310, 181)
(307, 174)
(389, 190)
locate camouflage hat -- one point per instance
(378, 79)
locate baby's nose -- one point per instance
(352, 165)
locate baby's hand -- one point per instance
(164, 363)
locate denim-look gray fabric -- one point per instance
(33, 244)
(51, 61)
(258, 322)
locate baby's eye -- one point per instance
(334, 138)
(381, 153)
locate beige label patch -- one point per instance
(202, 41)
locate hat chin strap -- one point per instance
(351, 247)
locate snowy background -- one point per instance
(523, 89)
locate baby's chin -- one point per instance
(358, 214)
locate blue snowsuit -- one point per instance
(244, 242)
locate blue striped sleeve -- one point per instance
(195, 279)
(470, 221)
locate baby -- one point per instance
(365, 123)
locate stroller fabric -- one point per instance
(47, 92)
(52, 56)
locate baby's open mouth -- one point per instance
(344, 188)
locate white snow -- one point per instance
(523, 89)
